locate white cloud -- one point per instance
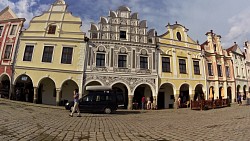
(240, 29)
(25, 8)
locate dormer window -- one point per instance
(52, 29)
(13, 30)
(123, 34)
(178, 35)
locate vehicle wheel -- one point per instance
(107, 110)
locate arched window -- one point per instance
(52, 29)
(178, 35)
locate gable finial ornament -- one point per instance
(60, 2)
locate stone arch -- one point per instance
(23, 89)
(46, 91)
(143, 89)
(122, 88)
(67, 88)
(165, 98)
(211, 93)
(229, 94)
(184, 95)
(113, 14)
(199, 93)
(4, 85)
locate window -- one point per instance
(242, 72)
(150, 40)
(227, 71)
(182, 65)
(165, 64)
(28, 53)
(7, 52)
(214, 47)
(94, 35)
(122, 60)
(1, 30)
(210, 69)
(100, 60)
(237, 71)
(219, 70)
(47, 53)
(52, 29)
(196, 67)
(178, 35)
(13, 30)
(67, 55)
(122, 34)
(143, 62)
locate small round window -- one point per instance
(178, 35)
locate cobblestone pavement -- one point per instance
(21, 121)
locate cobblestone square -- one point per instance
(26, 121)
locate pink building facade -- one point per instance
(10, 27)
(219, 69)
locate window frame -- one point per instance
(2, 31)
(165, 64)
(10, 51)
(228, 71)
(122, 61)
(122, 38)
(101, 57)
(51, 30)
(63, 59)
(48, 53)
(219, 70)
(143, 62)
(182, 66)
(11, 32)
(30, 53)
(210, 69)
(196, 65)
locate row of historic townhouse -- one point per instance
(52, 57)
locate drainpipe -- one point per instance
(86, 39)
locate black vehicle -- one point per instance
(98, 99)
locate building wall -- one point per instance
(67, 34)
(137, 41)
(184, 48)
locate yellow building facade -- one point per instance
(50, 59)
(181, 69)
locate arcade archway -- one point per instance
(199, 94)
(24, 90)
(184, 95)
(120, 88)
(4, 86)
(165, 98)
(47, 92)
(67, 90)
(140, 91)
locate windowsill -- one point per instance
(100, 66)
(166, 71)
(6, 59)
(122, 68)
(143, 68)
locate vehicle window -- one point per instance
(98, 98)
(87, 98)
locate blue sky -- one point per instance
(228, 18)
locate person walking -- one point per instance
(76, 104)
